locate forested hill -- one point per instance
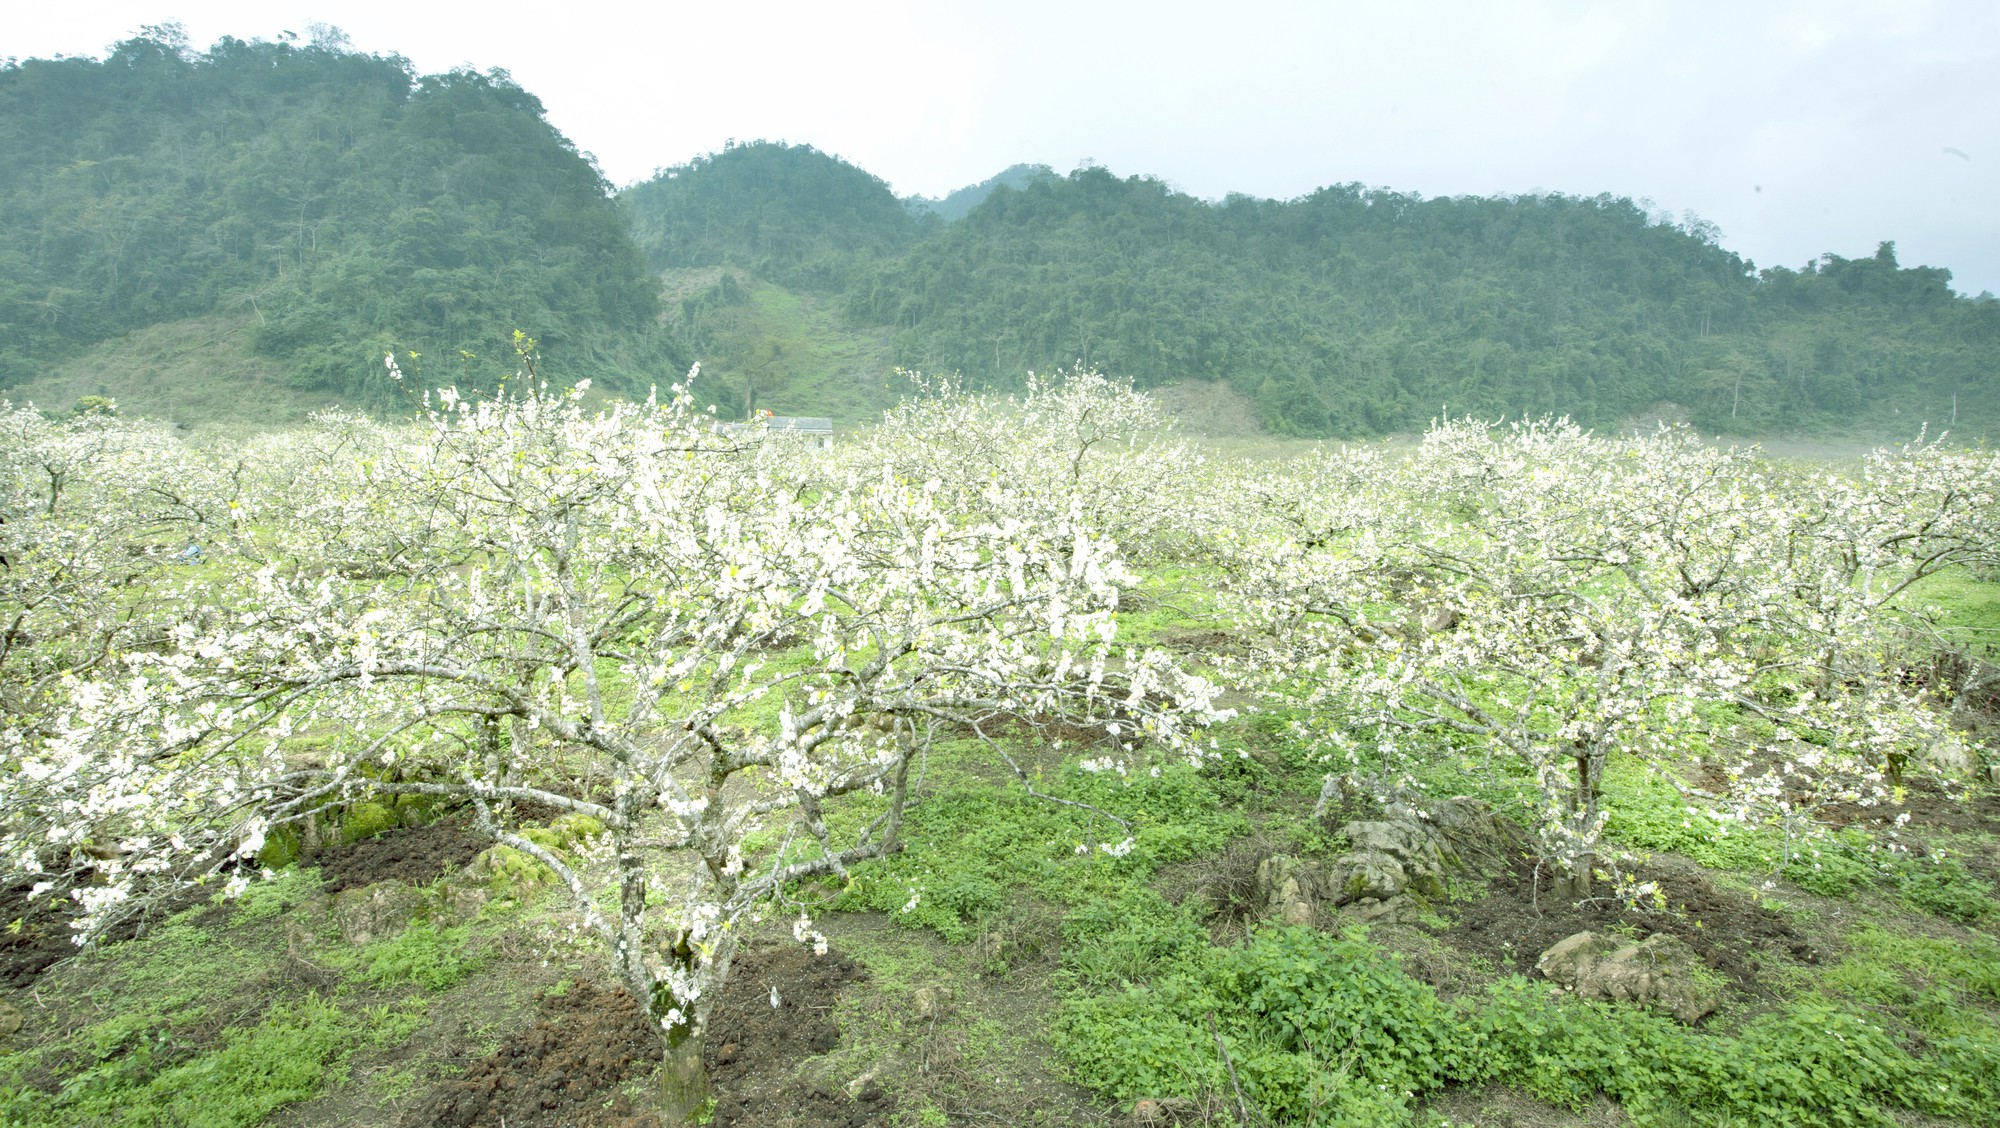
(317, 207)
(790, 213)
(1353, 312)
(342, 204)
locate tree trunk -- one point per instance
(1575, 885)
(683, 1080)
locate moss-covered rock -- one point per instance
(508, 873)
(366, 820)
(281, 849)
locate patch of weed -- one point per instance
(1851, 861)
(1330, 1030)
(299, 1048)
(970, 846)
(422, 954)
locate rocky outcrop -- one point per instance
(1660, 971)
(376, 912)
(1288, 888)
(1391, 867)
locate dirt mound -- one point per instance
(417, 855)
(753, 1047)
(565, 1070)
(42, 939)
(1729, 931)
(46, 935)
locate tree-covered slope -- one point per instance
(958, 204)
(348, 205)
(1351, 311)
(788, 212)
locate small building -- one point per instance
(812, 429)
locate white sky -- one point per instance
(1797, 126)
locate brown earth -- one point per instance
(564, 1071)
(1929, 806)
(42, 939)
(46, 937)
(586, 1060)
(753, 1047)
(417, 855)
(1520, 919)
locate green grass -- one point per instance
(800, 353)
(199, 1025)
(196, 371)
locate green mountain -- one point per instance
(342, 204)
(250, 228)
(792, 214)
(959, 204)
(1352, 311)
(1346, 312)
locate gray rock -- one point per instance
(1386, 859)
(375, 912)
(1475, 836)
(1660, 971)
(1400, 909)
(931, 1003)
(11, 1020)
(1288, 889)
(1392, 866)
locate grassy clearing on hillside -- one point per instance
(800, 356)
(197, 371)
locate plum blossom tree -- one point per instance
(95, 514)
(1073, 444)
(726, 660)
(1565, 599)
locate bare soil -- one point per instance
(46, 936)
(42, 939)
(753, 1047)
(1520, 919)
(564, 1071)
(588, 1058)
(417, 855)
(1929, 806)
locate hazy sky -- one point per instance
(1797, 126)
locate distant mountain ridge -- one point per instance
(959, 204)
(292, 213)
(1355, 311)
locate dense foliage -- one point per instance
(339, 206)
(790, 213)
(344, 204)
(1352, 311)
(1349, 311)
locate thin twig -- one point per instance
(1242, 1106)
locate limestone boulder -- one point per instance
(1660, 971)
(1288, 888)
(1474, 836)
(376, 912)
(1386, 859)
